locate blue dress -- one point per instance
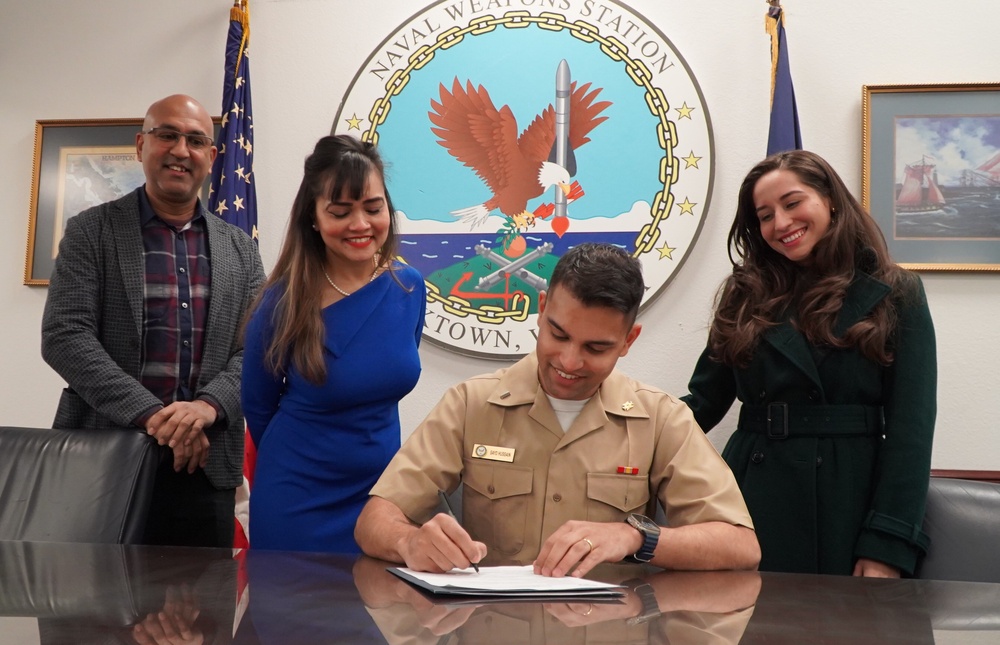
(320, 448)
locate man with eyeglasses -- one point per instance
(142, 321)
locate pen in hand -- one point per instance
(447, 508)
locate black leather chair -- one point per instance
(75, 485)
(963, 523)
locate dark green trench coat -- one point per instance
(848, 478)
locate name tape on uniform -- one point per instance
(493, 453)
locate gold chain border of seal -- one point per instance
(656, 101)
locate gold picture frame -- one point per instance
(928, 176)
(78, 163)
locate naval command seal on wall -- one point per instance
(516, 129)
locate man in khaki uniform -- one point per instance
(563, 459)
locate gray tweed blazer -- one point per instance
(92, 327)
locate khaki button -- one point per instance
(491, 489)
(557, 497)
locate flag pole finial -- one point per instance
(241, 13)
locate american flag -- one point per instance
(784, 131)
(232, 195)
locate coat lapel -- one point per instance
(129, 250)
(792, 345)
(862, 295)
(222, 275)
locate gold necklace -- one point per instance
(341, 291)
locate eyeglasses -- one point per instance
(170, 137)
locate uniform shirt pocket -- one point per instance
(610, 498)
(495, 504)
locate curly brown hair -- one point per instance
(767, 288)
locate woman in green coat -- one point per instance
(829, 346)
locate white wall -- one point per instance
(64, 59)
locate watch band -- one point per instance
(650, 537)
(650, 608)
(649, 540)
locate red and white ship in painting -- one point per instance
(920, 192)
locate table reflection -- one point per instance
(56, 594)
(96, 593)
(795, 609)
(659, 607)
(304, 598)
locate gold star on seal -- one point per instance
(684, 111)
(665, 251)
(691, 161)
(687, 206)
(628, 405)
(354, 123)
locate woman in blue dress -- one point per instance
(331, 348)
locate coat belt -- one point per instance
(783, 420)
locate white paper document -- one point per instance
(521, 582)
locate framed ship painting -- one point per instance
(931, 173)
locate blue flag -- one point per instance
(232, 195)
(784, 132)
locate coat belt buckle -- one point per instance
(777, 420)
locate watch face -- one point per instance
(642, 522)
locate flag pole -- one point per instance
(771, 19)
(233, 195)
(783, 132)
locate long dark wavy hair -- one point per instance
(338, 165)
(766, 288)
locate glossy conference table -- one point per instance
(72, 593)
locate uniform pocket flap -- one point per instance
(496, 481)
(624, 492)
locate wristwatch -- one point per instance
(650, 531)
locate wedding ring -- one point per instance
(589, 543)
(589, 610)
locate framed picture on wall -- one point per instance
(931, 173)
(78, 164)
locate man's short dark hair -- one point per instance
(601, 275)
